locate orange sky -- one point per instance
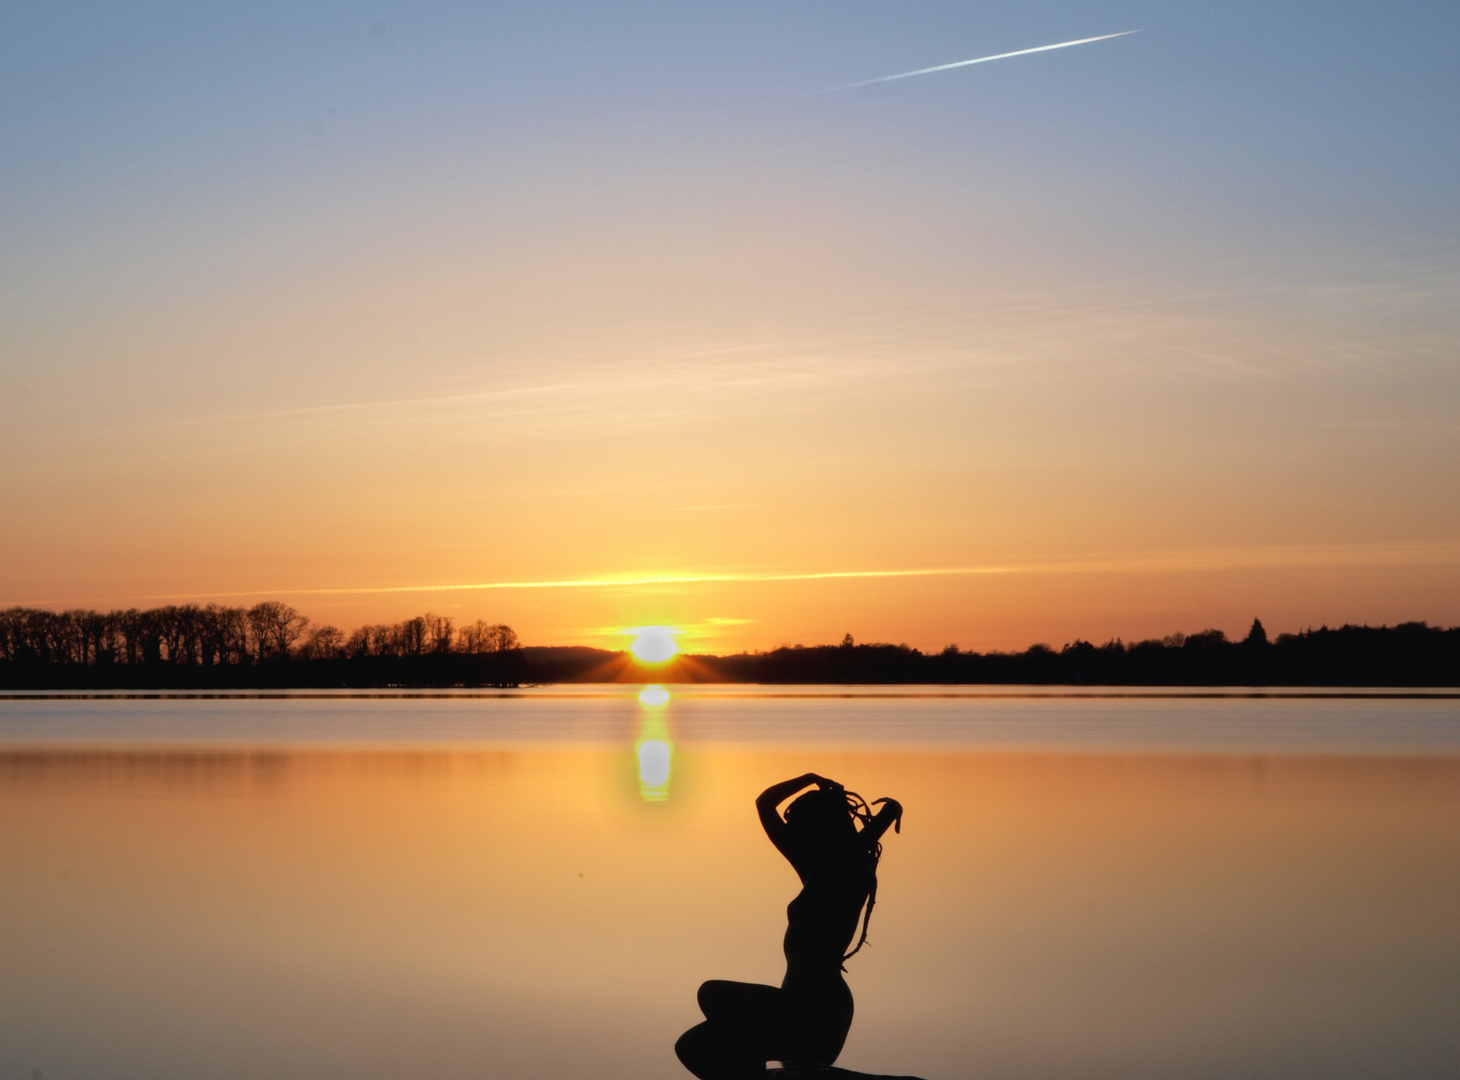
(1096, 342)
(1038, 470)
(1039, 467)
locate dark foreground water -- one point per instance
(534, 885)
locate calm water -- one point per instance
(534, 885)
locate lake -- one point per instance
(532, 884)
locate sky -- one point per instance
(586, 317)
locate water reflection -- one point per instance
(653, 747)
(654, 695)
(503, 910)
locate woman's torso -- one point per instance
(820, 924)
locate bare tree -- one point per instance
(372, 640)
(169, 633)
(226, 635)
(410, 637)
(214, 636)
(274, 627)
(323, 643)
(145, 631)
(438, 632)
(92, 626)
(10, 635)
(189, 635)
(484, 637)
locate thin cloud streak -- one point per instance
(1311, 557)
(1252, 558)
(868, 82)
(970, 63)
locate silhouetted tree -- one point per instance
(374, 640)
(225, 635)
(438, 632)
(410, 637)
(322, 643)
(1207, 639)
(185, 645)
(484, 637)
(274, 627)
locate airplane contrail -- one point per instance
(864, 82)
(969, 63)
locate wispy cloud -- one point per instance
(869, 82)
(1268, 557)
(970, 63)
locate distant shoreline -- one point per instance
(1412, 655)
(272, 647)
(865, 691)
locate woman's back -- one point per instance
(822, 920)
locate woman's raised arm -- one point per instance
(890, 814)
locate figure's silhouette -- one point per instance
(804, 1022)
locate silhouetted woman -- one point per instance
(803, 1023)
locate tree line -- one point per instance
(193, 636)
(272, 645)
(1410, 654)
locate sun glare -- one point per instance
(654, 695)
(653, 644)
(654, 757)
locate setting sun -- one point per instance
(653, 644)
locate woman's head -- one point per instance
(822, 818)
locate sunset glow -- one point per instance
(507, 506)
(654, 644)
(654, 745)
(1186, 359)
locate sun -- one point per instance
(653, 644)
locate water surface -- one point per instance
(534, 885)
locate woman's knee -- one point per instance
(715, 996)
(710, 1053)
(691, 1048)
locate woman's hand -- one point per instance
(772, 797)
(890, 814)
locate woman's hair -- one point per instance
(834, 814)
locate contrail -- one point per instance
(870, 82)
(969, 63)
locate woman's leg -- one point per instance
(713, 1052)
(817, 1021)
(744, 1028)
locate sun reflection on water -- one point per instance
(653, 747)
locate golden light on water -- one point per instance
(653, 644)
(654, 764)
(653, 748)
(654, 695)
